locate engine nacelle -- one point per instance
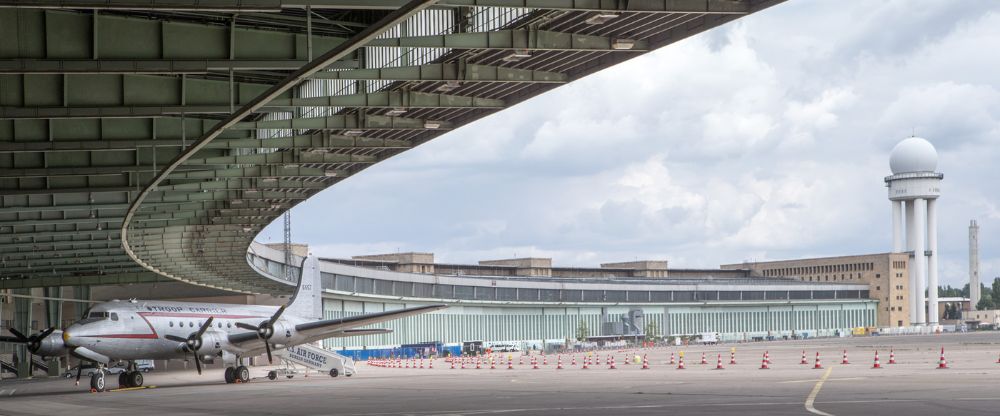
(284, 331)
(212, 343)
(50, 346)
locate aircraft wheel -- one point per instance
(97, 382)
(271, 375)
(122, 381)
(230, 375)
(334, 372)
(243, 374)
(135, 379)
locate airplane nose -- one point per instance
(66, 337)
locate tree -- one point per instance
(582, 332)
(652, 330)
(995, 291)
(985, 303)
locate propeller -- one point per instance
(33, 342)
(193, 342)
(265, 330)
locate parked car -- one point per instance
(89, 369)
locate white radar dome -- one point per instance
(913, 155)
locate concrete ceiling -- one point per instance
(142, 139)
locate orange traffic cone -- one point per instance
(818, 366)
(421, 362)
(645, 362)
(545, 360)
(534, 363)
(407, 363)
(559, 362)
(463, 364)
(478, 364)
(732, 357)
(942, 363)
(597, 359)
(892, 356)
(586, 362)
(430, 364)
(718, 364)
(703, 359)
(767, 356)
(876, 364)
(844, 361)
(680, 363)
(573, 363)
(764, 365)
(520, 360)
(493, 363)
(672, 360)
(804, 361)
(611, 364)
(510, 363)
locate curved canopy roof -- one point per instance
(143, 139)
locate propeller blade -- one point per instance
(267, 346)
(31, 365)
(45, 333)
(274, 318)
(175, 338)
(248, 327)
(197, 363)
(10, 339)
(18, 334)
(208, 324)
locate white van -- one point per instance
(504, 347)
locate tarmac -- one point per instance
(914, 386)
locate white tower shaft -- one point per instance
(932, 263)
(911, 267)
(974, 264)
(897, 226)
(919, 260)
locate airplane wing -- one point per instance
(340, 327)
(343, 327)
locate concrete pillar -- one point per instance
(897, 226)
(81, 293)
(22, 322)
(920, 260)
(973, 265)
(932, 263)
(53, 319)
(911, 267)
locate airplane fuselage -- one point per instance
(133, 330)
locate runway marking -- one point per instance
(131, 389)
(815, 391)
(812, 380)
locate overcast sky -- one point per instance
(767, 138)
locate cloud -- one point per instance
(766, 138)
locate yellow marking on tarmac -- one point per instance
(812, 380)
(815, 391)
(131, 389)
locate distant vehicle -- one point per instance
(505, 347)
(707, 338)
(90, 370)
(142, 365)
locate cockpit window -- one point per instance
(114, 316)
(98, 315)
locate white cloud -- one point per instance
(766, 138)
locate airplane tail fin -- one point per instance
(308, 299)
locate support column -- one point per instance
(22, 322)
(911, 266)
(920, 260)
(53, 319)
(932, 263)
(897, 226)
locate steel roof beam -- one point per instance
(648, 6)
(70, 280)
(328, 141)
(453, 71)
(358, 121)
(153, 66)
(514, 39)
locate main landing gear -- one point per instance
(240, 374)
(132, 377)
(97, 381)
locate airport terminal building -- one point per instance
(527, 299)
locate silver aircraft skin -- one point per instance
(142, 330)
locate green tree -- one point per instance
(652, 330)
(985, 303)
(582, 332)
(995, 291)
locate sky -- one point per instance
(767, 138)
